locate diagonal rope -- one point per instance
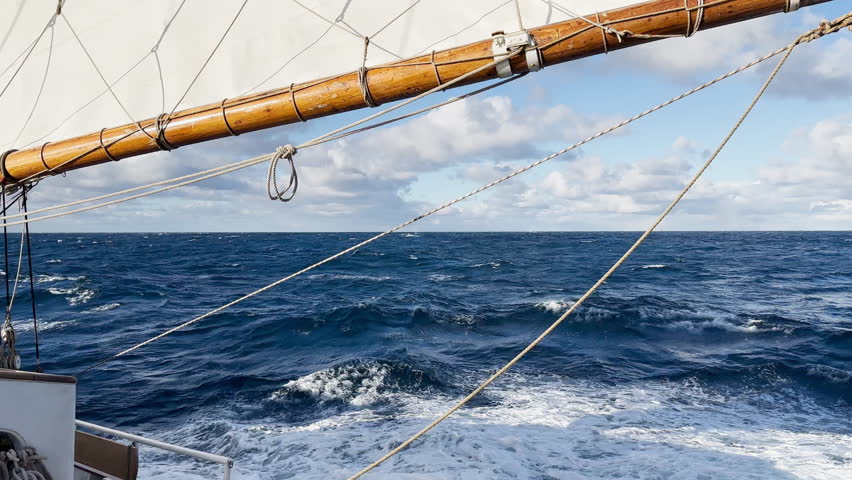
(209, 57)
(484, 15)
(48, 25)
(197, 319)
(153, 51)
(394, 19)
(340, 24)
(591, 290)
(40, 88)
(104, 80)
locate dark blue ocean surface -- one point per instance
(708, 355)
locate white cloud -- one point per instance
(364, 182)
(817, 70)
(807, 189)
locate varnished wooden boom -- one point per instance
(387, 83)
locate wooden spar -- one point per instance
(387, 83)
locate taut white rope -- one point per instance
(591, 290)
(816, 33)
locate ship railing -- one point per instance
(226, 462)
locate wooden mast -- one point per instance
(386, 83)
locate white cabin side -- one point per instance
(38, 410)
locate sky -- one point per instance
(786, 169)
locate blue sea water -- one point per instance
(708, 355)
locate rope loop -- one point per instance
(272, 189)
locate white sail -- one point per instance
(271, 44)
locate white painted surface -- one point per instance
(43, 415)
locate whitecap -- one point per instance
(440, 277)
(75, 296)
(413, 257)
(554, 306)
(832, 374)
(104, 308)
(530, 428)
(54, 260)
(655, 265)
(700, 323)
(356, 385)
(57, 278)
(488, 264)
(43, 326)
(341, 276)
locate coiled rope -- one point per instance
(23, 464)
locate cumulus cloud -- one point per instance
(817, 70)
(365, 182)
(807, 188)
(358, 183)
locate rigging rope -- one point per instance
(207, 61)
(328, 137)
(594, 287)
(32, 279)
(49, 24)
(41, 87)
(824, 29)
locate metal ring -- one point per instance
(7, 177)
(225, 119)
(106, 150)
(293, 100)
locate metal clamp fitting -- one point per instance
(502, 44)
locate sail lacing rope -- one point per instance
(23, 464)
(594, 287)
(43, 82)
(362, 78)
(846, 20)
(606, 29)
(153, 51)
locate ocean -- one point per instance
(707, 356)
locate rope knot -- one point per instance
(286, 151)
(275, 193)
(619, 34)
